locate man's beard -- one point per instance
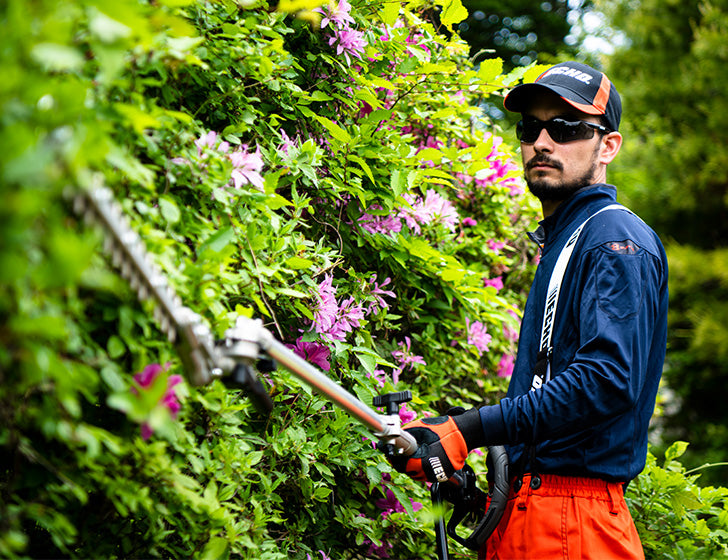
(545, 190)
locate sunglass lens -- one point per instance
(559, 130)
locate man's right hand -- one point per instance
(443, 445)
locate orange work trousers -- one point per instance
(561, 517)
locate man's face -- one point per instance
(555, 171)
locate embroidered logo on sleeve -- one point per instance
(627, 247)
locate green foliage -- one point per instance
(675, 517)
(672, 172)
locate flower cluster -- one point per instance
(433, 209)
(388, 505)
(347, 41)
(246, 165)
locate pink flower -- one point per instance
(406, 358)
(350, 314)
(337, 15)
(287, 143)
(478, 335)
(312, 352)
(505, 366)
(469, 221)
(379, 376)
(511, 333)
(246, 168)
(406, 416)
(331, 319)
(378, 293)
(496, 283)
(145, 379)
(496, 246)
(379, 224)
(324, 316)
(348, 42)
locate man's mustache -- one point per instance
(545, 160)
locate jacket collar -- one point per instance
(580, 205)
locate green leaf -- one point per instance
(215, 549)
(675, 450)
(453, 12)
(389, 12)
(490, 69)
(217, 241)
(334, 129)
(57, 58)
(363, 164)
(299, 263)
(169, 210)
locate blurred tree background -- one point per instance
(673, 170)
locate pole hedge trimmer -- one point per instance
(249, 346)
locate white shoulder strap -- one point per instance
(552, 295)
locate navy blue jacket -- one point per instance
(609, 342)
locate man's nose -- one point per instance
(544, 142)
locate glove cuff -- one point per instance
(471, 428)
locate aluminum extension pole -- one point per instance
(337, 394)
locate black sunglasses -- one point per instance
(560, 130)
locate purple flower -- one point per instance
(406, 416)
(324, 316)
(350, 315)
(433, 209)
(337, 15)
(379, 224)
(379, 376)
(348, 42)
(331, 319)
(496, 246)
(478, 335)
(287, 143)
(312, 352)
(510, 333)
(246, 168)
(209, 141)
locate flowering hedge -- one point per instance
(326, 168)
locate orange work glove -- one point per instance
(443, 445)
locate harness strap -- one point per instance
(542, 369)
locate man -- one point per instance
(576, 415)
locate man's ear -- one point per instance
(610, 147)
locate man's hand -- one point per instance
(443, 445)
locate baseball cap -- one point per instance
(578, 84)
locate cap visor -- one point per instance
(520, 97)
